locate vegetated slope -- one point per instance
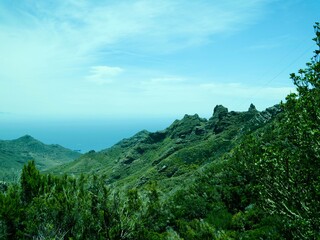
(266, 187)
(171, 155)
(15, 153)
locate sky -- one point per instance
(76, 59)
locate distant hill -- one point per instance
(171, 155)
(15, 153)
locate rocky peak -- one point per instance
(252, 108)
(219, 121)
(219, 111)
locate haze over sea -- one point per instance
(83, 135)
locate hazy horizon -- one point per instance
(84, 135)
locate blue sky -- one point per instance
(149, 59)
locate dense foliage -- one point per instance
(267, 187)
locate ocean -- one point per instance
(80, 135)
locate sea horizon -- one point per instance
(80, 135)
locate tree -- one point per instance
(11, 213)
(30, 182)
(280, 163)
(291, 184)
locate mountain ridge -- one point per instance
(173, 153)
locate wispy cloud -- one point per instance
(69, 34)
(103, 74)
(75, 32)
(49, 46)
(157, 26)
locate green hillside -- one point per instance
(16, 153)
(238, 175)
(171, 155)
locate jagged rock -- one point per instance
(252, 108)
(155, 137)
(266, 115)
(219, 112)
(186, 126)
(199, 130)
(218, 122)
(274, 110)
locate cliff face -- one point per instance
(172, 154)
